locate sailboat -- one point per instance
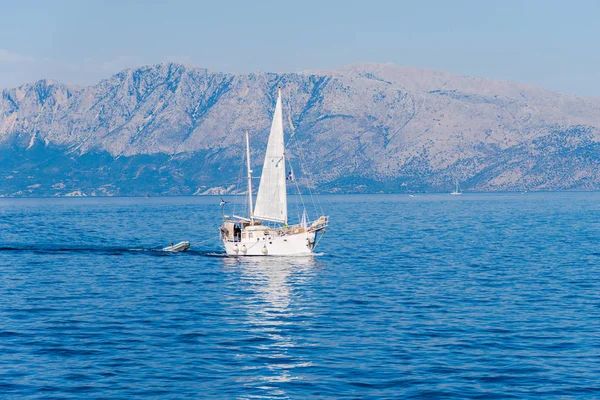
(266, 232)
(456, 189)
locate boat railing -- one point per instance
(319, 224)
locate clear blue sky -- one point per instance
(553, 44)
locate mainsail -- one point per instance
(271, 201)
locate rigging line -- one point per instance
(295, 182)
(302, 163)
(319, 239)
(310, 178)
(238, 187)
(293, 178)
(237, 192)
(307, 172)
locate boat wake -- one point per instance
(107, 250)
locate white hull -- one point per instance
(299, 244)
(177, 248)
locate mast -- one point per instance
(250, 206)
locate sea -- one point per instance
(433, 296)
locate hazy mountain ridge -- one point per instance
(173, 129)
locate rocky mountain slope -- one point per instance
(174, 129)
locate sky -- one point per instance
(552, 44)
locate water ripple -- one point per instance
(490, 296)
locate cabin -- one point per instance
(242, 230)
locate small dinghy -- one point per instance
(177, 248)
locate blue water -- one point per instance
(477, 296)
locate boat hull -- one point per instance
(177, 248)
(300, 244)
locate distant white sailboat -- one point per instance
(265, 232)
(456, 189)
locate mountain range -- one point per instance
(172, 129)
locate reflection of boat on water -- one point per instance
(273, 291)
(273, 277)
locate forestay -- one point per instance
(271, 201)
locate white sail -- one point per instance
(271, 201)
(457, 190)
